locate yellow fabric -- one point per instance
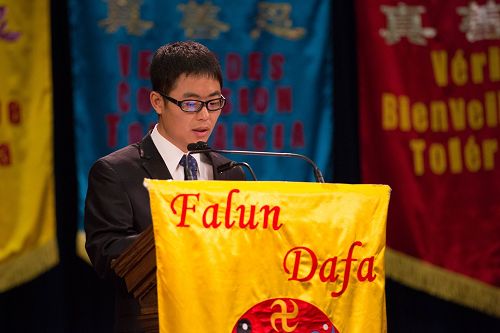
(80, 246)
(28, 244)
(209, 277)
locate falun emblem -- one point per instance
(284, 315)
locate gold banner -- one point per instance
(28, 245)
(269, 256)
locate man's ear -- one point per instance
(157, 102)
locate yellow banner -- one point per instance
(269, 256)
(28, 244)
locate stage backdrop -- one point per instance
(28, 245)
(269, 256)
(429, 81)
(276, 59)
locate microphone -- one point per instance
(233, 164)
(202, 147)
(198, 146)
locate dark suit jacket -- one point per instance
(117, 211)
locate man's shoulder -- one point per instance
(126, 160)
(124, 155)
(135, 151)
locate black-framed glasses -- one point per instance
(194, 105)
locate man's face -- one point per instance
(182, 128)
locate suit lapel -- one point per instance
(217, 160)
(155, 167)
(151, 159)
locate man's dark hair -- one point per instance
(190, 58)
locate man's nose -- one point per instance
(203, 113)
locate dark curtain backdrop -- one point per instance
(70, 298)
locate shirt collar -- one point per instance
(170, 154)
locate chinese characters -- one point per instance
(5, 34)
(125, 13)
(480, 22)
(405, 21)
(275, 19)
(200, 20)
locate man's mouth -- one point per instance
(201, 131)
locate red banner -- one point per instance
(429, 87)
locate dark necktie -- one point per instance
(192, 165)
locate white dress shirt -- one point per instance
(172, 155)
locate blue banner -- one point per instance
(276, 61)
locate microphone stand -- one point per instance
(202, 147)
(232, 164)
(317, 172)
(220, 169)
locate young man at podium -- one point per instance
(186, 94)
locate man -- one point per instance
(186, 94)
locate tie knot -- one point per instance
(192, 165)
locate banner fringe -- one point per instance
(28, 265)
(442, 283)
(80, 247)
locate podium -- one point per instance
(137, 266)
(312, 254)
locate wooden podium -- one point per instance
(137, 266)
